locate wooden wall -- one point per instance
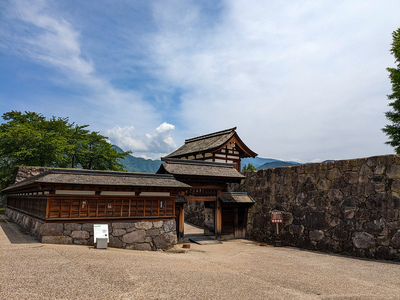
(91, 206)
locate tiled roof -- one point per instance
(199, 168)
(106, 178)
(231, 197)
(204, 143)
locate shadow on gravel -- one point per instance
(15, 233)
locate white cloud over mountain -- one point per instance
(152, 145)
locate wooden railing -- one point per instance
(91, 206)
(33, 205)
(117, 206)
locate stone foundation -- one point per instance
(149, 235)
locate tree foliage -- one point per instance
(249, 167)
(30, 139)
(393, 130)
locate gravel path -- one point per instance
(238, 269)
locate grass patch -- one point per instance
(2, 211)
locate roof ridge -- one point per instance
(104, 172)
(197, 162)
(210, 135)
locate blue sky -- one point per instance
(301, 80)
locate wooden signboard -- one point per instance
(276, 216)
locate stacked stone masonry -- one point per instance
(349, 207)
(149, 235)
(194, 213)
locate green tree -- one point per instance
(393, 130)
(94, 152)
(249, 167)
(30, 139)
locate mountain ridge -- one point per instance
(139, 164)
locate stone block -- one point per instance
(385, 253)
(376, 227)
(393, 172)
(298, 229)
(350, 201)
(333, 174)
(316, 220)
(383, 240)
(80, 235)
(49, 229)
(153, 232)
(339, 234)
(390, 214)
(158, 224)
(123, 225)
(115, 242)
(349, 214)
(142, 247)
(87, 227)
(51, 239)
(350, 177)
(169, 226)
(165, 241)
(379, 187)
(72, 226)
(143, 225)
(118, 232)
(323, 184)
(365, 170)
(396, 186)
(395, 241)
(287, 218)
(379, 170)
(395, 225)
(334, 222)
(363, 240)
(137, 236)
(316, 235)
(130, 229)
(335, 194)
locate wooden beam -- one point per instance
(204, 199)
(218, 216)
(181, 229)
(236, 232)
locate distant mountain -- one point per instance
(138, 164)
(277, 164)
(267, 163)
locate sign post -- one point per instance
(277, 217)
(100, 234)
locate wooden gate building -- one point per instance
(209, 163)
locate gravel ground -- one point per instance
(238, 269)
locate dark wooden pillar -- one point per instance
(218, 216)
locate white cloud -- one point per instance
(298, 79)
(52, 40)
(48, 37)
(154, 145)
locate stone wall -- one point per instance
(26, 172)
(349, 207)
(151, 235)
(194, 213)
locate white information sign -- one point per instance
(100, 231)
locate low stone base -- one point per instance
(150, 235)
